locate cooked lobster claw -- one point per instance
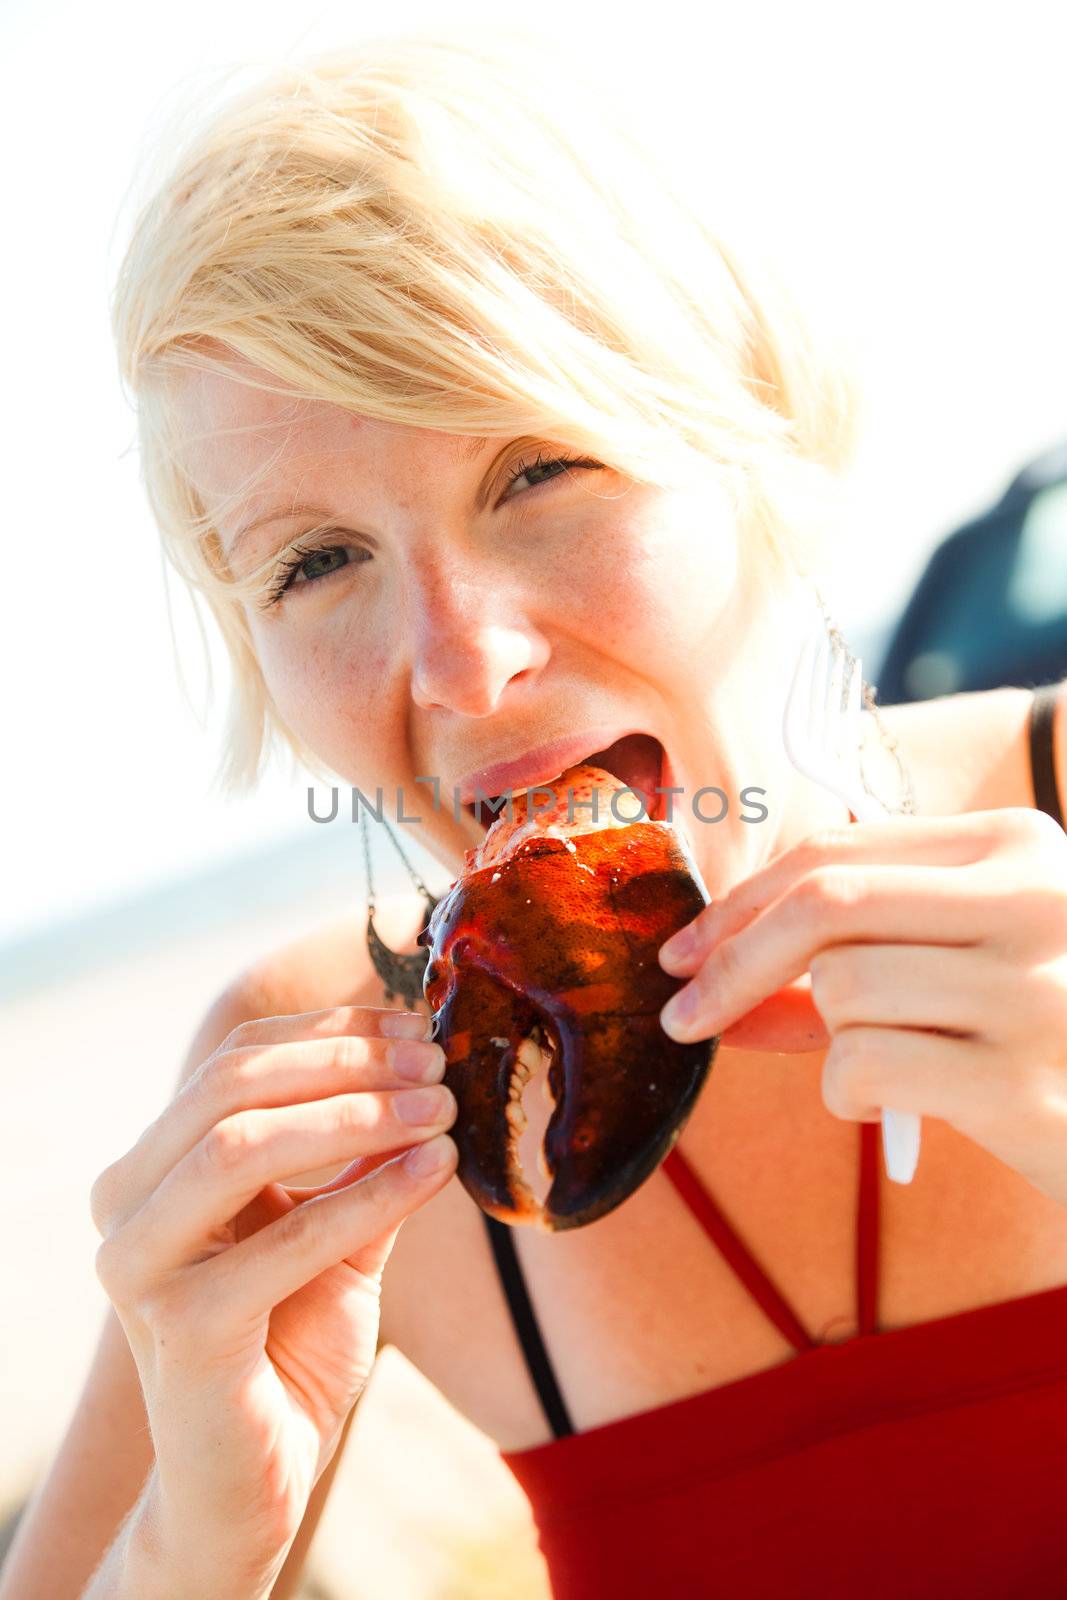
(555, 943)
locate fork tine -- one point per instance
(797, 710)
(836, 700)
(827, 668)
(817, 705)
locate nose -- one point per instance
(472, 639)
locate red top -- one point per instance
(921, 1463)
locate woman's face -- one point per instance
(457, 616)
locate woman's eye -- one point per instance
(319, 564)
(534, 471)
(311, 566)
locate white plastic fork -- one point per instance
(822, 729)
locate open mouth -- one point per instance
(637, 760)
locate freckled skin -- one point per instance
(458, 637)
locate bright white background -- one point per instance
(912, 155)
(912, 161)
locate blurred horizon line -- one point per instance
(190, 903)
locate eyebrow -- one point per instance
(466, 450)
(276, 515)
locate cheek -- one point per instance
(322, 689)
(660, 584)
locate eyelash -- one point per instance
(299, 554)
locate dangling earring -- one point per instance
(907, 806)
(401, 974)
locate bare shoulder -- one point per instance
(965, 752)
(330, 966)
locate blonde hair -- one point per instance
(421, 230)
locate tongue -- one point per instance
(636, 760)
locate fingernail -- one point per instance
(424, 1105)
(678, 1014)
(417, 1060)
(679, 945)
(430, 1157)
(406, 1025)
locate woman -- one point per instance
(486, 451)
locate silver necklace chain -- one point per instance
(398, 847)
(401, 974)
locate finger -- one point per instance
(333, 1055)
(909, 985)
(187, 1215)
(376, 1022)
(833, 905)
(357, 1224)
(917, 841)
(929, 1074)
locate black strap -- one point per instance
(522, 1314)
(1042, 764)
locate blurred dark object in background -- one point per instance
(991, 606)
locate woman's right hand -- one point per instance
(251, 1308)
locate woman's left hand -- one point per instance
(937, 954)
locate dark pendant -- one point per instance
(401, 974)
